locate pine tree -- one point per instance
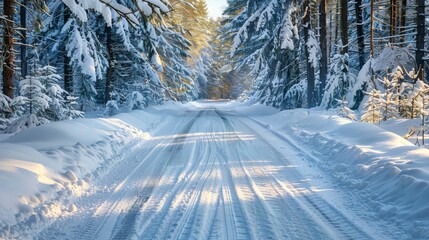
(137, 101)
(61, 104)
(44, 99)
(389, 105)
(264, 38)
(36, 102)
(111, 108)
(5, 111)
(311, 61)
(344, 110)
(372, 107)
(339, 82)
(323, 72)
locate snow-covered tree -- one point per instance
(42, 100)
(296, 96)
(177, 76)
(5, 111)
(34, 92)
(137, 101)
(339, 81)
(418, 99)
(36, 102)
(372, 107)
(389, 104)
(111, 108)
(344, 111)
(264, 38)
(62, 104)
(418, 102)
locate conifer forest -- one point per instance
(63, 58)
(214, 119)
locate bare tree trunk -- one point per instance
(323, 48)
(23, 19)
(68, 75)
(360, 33)
(403, 21)
(310, 69)
(392, 20)
(344, 27)
(8, 43)
(111, 67)
(336, 26)
(345, 43)
(331, 43)
(420, 37)
(371, 31)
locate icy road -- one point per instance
(213, 173)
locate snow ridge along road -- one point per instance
(214, 174)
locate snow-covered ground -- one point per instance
(218, 170)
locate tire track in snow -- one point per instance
(235, 225)
(199, 224)
(280, 214)
(128, 223)
(217, 192)
(100, 223)
(331, 217)
(102, 215)
(255, 209)
(158, 208)
(103, 212)
(183, 218)
(179, 213)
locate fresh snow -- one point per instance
(213, 170)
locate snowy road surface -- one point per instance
(212, 173)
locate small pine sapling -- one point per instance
(344, 111)
(419, 102)
(399, 90)
(111, 108)
(137, 101)
(389, 105)
(5, 111)
(372, 107)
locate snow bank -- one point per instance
(388, 171)
(42, 169)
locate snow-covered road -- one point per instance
(213, 173)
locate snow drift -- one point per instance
(42, 169)
(387, 171)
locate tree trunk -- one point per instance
(336, 26)
(8, 43)
(331, 44)
(23, 19)
(323, 48)
(111, 67)
(392, 20)
(371, 31)
(344, 27)
(310, 69)
(360, 33)
(68, 75)
(420, 38)
(403, 21)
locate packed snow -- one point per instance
(218, 170)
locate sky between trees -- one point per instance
(216, 7)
